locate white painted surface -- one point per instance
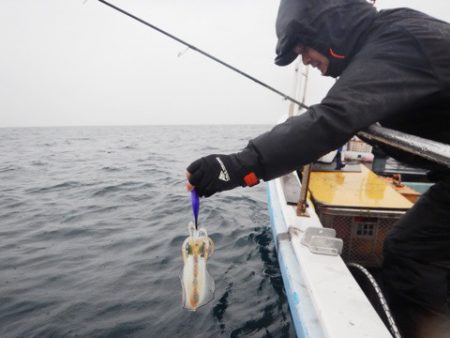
(332, 304)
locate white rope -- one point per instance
(393, 326)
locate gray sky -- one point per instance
(69, 63)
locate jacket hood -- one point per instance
(332, 27)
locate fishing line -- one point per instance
(190, 46)
(180, 54)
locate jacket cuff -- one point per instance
(251, 170)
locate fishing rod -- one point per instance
(190, 46)
(430, 150)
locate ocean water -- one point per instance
(91, 225)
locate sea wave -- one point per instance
(92, 227)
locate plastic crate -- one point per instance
(357, 145)
(363, 232)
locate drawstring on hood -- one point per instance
(332, 27)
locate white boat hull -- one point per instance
(324, 299)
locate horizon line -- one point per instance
(138, 125)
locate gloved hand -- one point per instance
(216, 173)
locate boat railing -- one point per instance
(425, 148)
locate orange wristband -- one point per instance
(251, 179)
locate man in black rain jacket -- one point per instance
(393, 67)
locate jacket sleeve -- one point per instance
(381, 82)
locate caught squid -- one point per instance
(198, 285)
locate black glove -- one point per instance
(216, 173)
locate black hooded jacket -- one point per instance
(395, 70)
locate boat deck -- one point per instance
(361, 189)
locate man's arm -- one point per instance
(376, 86)
(382, 82)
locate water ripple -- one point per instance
(92, 225)
(60, 186)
